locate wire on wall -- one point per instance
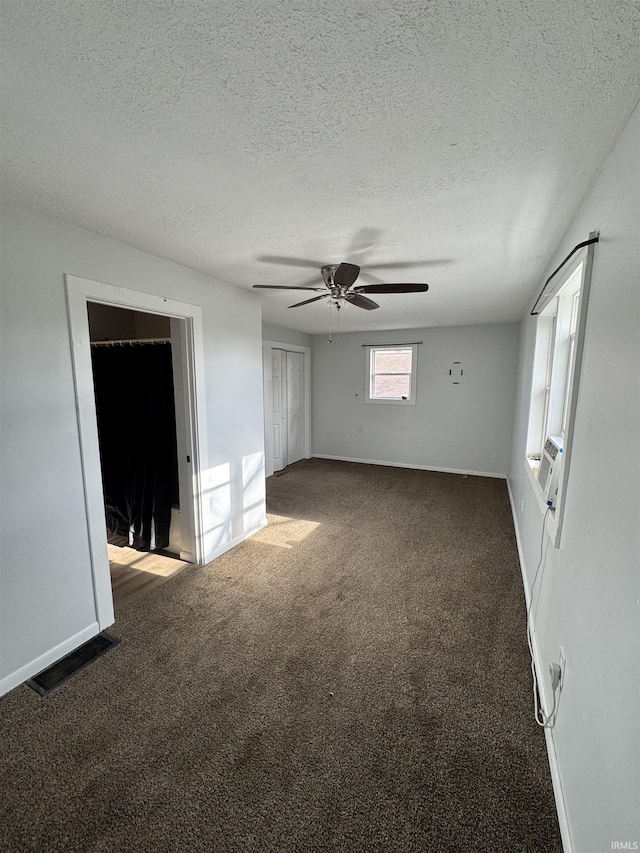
(549, 718)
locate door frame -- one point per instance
(267, 346)
(190, 416)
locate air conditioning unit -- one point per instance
(549, 470)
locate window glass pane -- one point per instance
(391, 386)
(567, 386)
(392, 361)
(575, 310)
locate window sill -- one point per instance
(391, 402)
(549, 514)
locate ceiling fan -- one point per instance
(339, 290)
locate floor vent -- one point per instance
(64, 669)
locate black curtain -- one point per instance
(137, 433)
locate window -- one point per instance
(391, 374)
(556, 340)
(568, 379)
(554, 389)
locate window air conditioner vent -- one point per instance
(549, 463)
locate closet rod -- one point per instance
(130, 341)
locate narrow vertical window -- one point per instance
(554, 388)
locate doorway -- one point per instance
(287, 404)
(131, 356)
(185, 324)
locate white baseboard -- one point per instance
(410, 465)
(48, 658)
(561, 808)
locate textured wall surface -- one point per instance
(456, 133)
(46, 594)
(285, 336)
(464, 427)
(590, 588)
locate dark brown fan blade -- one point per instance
(393, 288)
(285, 287)
(307, 301)
(361, 301)
(289, 262)
(346, 274)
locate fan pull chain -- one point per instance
(330, 333)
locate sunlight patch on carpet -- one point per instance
(284, 532)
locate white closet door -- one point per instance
(295, 406)
(278, 408)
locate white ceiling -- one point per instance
(459, 133)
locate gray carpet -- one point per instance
(353, 678)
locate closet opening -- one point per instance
(134, 385)
(287, 404)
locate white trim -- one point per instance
(290, 347)
(549, 516)
(267, 378)
(79, 291)
(574, 387)
(184, 417)
(561, 808)
(410, 465)
(48, 658)
(570, 384)
(413, 382)
(267, 346)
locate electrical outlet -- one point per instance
(348, 439)
(521, 504)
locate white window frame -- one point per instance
(560, 328)
(369, 374)
(561, 353)
(571, 359)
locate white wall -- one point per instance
(46, 594)
(590, 595)
(281, 335)
(464, 427)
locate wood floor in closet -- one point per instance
(136, 573)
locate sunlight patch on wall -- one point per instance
(216, 537)
(216, 506)
(253, 491)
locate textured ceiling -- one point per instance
(459, 133)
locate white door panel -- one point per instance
(278, 408)
(295, 406)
